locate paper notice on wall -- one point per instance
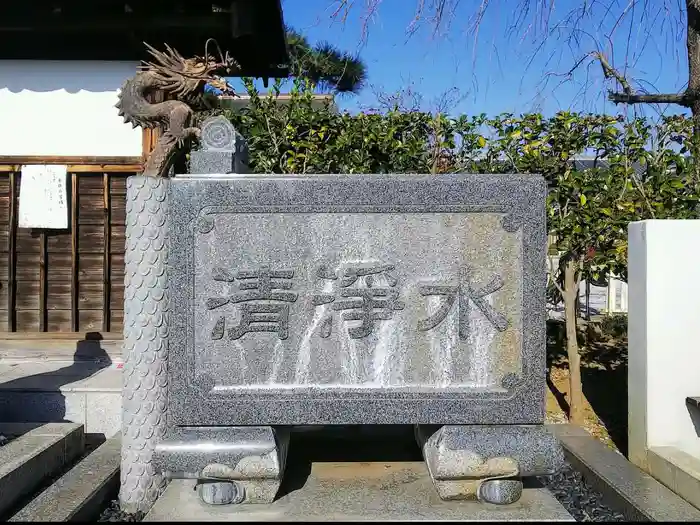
(43, 197)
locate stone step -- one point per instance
(80, 494)
(86, 392)
(35, 452)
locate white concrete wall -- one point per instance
(64, 108)
(664, 335)
(608, 299)
(617, 299)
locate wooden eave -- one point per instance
(251, 30)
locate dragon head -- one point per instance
(184, 77)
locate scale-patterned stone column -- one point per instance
(146, 316)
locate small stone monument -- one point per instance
(222, 149)
(255, 304)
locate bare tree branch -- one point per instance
(628, 95)
(636, 27)
(611, 72)
(682, 99)
(410, 99)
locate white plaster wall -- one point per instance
(664, 334)
(64, 108)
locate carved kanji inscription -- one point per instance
(464, 293)
(360, 298)
(264, 301)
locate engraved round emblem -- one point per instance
(218, 134)
(204, 224)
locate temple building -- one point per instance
(62, 63)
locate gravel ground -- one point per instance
(112, 513)
(568, 486)
(581, 501)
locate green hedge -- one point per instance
(588, 209)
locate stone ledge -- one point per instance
(679, 470)
(396, 491)
(628, 489)
(35, 455)
(80, 493)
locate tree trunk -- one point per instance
(575, 386)
(693, 43)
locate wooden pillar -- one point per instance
(43, 281)
(12, 257)
(75, 323)
(107, 261)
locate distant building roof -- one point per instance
(587, 162)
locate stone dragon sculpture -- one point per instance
(146, 314)
(181, 81)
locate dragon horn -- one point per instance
(173, 52)
(159, 56)
(175, 60)
(168, 53)
(164, 59)
(206, 49)
(206, 52)
(152, 50)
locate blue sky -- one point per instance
(497, 72)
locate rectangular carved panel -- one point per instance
(355, 299)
